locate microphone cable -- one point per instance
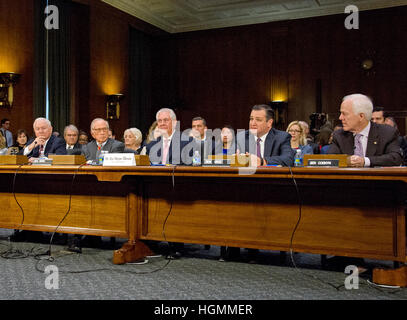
(14, 193)
(112, 269)
(294, 231)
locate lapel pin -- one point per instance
(374, 142)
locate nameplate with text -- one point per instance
(323, 163)
(119, 159)
(326, 160)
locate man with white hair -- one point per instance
(71, 136)
(368, 144)
(169, 148)
(99, 129)
(44, 140)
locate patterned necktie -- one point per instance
(165, 151)
(358, 146)
(41, 150)
(258, 148)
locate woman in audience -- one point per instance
(132, 140)
(324, 140)
(21, 141)
(298, 138)
(152, 133)
(228, 140)
(83, 137)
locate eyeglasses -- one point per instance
(100, 129)
(294, 131)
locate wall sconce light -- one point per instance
(113, 106)
(7, 81)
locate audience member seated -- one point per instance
(71, 136)
(206, 141)
(6, 133)
(112, 134)
(310, 139)
(132, 140)
(324, 139)
(152, 133)
(44, 142)
(228, 141)
(21, 141)
(100, 132)
(298, 138)
(3, 143)
(368, 144)
(402, 140)
(378, 115)
(83, 137)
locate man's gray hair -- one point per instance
(170, 111)
(98, 119)
(42, 119)
(72, 128)
(360, 104)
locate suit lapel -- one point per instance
(372, 140)
(269, 143)
(49, 144)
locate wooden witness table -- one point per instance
(343, 212)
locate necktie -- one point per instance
(258, 148)
(358, 146)
(41, 150)
(165, 151)
(99, 147)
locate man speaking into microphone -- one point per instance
(44, 141)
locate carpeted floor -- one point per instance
(198, 275)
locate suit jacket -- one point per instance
(77, 149)
(54, 145)
(383, 148)
(91, 152)
(277, 147)
(180, 151)
(8, 136)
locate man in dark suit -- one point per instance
(171, 147)
(369, 144)
(203, 137)
(71, 135)
(45, 142)
(266, 145)
(99, 129)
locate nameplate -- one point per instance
(323, 163)
(13, 159)
(326, 160)
(119, 159)
(67, 159)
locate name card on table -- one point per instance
(326, 160)
(119, 159)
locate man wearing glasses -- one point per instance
(171, 146)
(99, 129)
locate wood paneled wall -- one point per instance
(218, 74)
(221, 73)
(17, 55)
